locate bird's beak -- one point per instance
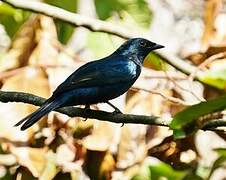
(157, 46)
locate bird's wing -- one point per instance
(100, 73)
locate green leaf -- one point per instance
(220, 162)
(50, 169)
(12, 18)
(144, 174)
(221, 151)
(216, 78)
(5, 9)
(155, 61)
(158, 172)
(137, 9)
(165, 170)
(190, 114)
(64, 30)
(95, 43)
(193, 177)
(179, 134)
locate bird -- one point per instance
(97, 81)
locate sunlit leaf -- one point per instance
(221, 151)
(219, 162)
(29, 80)
(99, 165)
(50, 169)
(100, 49)
(12, 18)
(32, 158)
(143, 174)
(7, 10)
(192, 176)
(212, 9)
(192, 113)
(21, 46)
(216, 78)
(183, 122)
(165, 170)
(138, 9)
(154, 61)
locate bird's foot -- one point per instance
(84, 119)
(116, 110)
(87, 107)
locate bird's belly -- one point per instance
(95, 94)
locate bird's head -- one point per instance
(138, 47)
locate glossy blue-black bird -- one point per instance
(98, 81)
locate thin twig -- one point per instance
(151, 74)
(169, 98)
(205, 63)
(184, 89)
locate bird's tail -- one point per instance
(32, 118)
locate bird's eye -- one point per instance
(142, 43)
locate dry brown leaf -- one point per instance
(132, 146)
(99, 165)
(32, 158)
(30, 80)
(50, 169)
(7, 159)
(206, 142)
(64, 155)
(21, 47)
(218, 65)
(39, 161)
(211, 12)
(45, 53)
(170, 151)
(101, 137)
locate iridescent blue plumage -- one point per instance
(98, 81)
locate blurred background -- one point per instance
(38, 52)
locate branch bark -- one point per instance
(71, 18)
(99, 26)
(11, 96)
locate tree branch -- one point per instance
(11, 96)
(215, 124)
(6, 97)
(71, 18)
(99, 26)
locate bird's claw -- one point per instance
(87, 107)
(117, 111)
(84, 119)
